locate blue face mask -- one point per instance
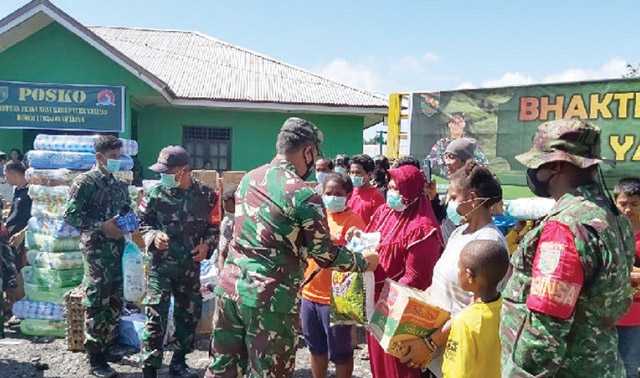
(168, 180)
(113, 165)
(321, 177)
(340, 170)
(452, 212)
(357, 181)
(394, 201)
(334, 204)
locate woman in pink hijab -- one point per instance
(410, 246)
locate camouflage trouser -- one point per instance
(103, 295)
(182, 279)
(252, 341)
(8, 276)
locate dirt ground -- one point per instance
(23, 357)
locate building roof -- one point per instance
(192, 69)
(196, 66)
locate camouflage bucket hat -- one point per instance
(571, 140)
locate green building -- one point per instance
(224, 103)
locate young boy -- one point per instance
(328, 343)
(473, 347)
(627, 196)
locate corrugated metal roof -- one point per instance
(199, 67)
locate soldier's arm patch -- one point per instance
(557, 275)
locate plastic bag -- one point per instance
(39, 327)
(79, 161)
(529, 208)
(35, 292)
(59, 261)
(49, 243)
(41, 193)
(53, 278)
(27, 309)
(63, 176)
(352, 293)
(130, 330)
(53, 226)
(78, 143)
(208, 279)
(134, 285)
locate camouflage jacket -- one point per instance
(95, 197)
(279, 223)
(184, 215)
(570, 284)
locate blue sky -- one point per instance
(386, 46)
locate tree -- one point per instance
(632, 71)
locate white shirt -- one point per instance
(445, 288)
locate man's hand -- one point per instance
(200, 252)
(416, 353)
(372, 260)
(161, 242)
(111, 230)
(17, 239)
(431, 189)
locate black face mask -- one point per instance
(539, 188)
(310, 167)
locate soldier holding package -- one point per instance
(96, 199)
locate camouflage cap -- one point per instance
(303, 130)
(170, 157)
(571, 140)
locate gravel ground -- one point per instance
(21, 357)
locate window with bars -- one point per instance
(209, 147)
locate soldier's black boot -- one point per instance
(99, 368)
(149, 372)
(179, 368)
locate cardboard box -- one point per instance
(207, 178)
(402, 313)
(232, 177)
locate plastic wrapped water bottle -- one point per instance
(133, 272)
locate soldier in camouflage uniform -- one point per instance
(175, 224)
(279, 223)
(95, 198)
(570, 279)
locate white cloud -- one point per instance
(357, 75)
(614, 68)
(430, 57)
(465, 85)
(381, 76)
(509, 79)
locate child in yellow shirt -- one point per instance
(473, 347)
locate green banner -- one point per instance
(504, 121)
(61, 107)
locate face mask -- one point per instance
(321, 177)
(394, 201)
(357, 181)
(340, 170)
(168, 180)
(334, 204)
(310, 166)
(452, 213)
(539, 188)
(113, 165)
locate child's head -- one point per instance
(336, 189)
(229, 199)
(627, 195)
(482, 265)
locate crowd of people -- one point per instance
(563, 304)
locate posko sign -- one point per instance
(504, 121)
(61, 107)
